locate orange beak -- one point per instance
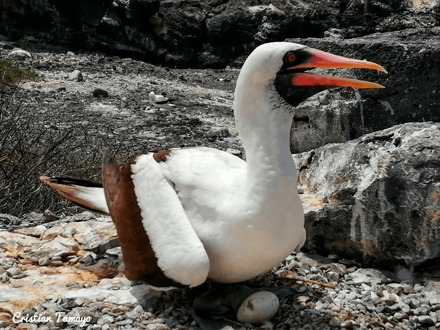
(320, 59)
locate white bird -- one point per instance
(160, 101)
(187, 215)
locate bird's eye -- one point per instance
(291, 58)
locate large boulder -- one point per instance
(412, 92)
(375, 198)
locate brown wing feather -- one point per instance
(71, 189)
(139, 257)
(110, 177)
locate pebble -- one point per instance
(13, 271)
(425, 320)
(76, 76)
(100, 92)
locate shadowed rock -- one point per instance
(376, 198)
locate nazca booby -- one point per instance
(187, 215)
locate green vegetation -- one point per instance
(10, 74)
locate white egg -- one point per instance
(258, 307)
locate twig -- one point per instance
(292, 276)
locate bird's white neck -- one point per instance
(264, 124)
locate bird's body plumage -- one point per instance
(186, 215)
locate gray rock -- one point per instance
(105, 319)
(305, 260)
(4, 277)
(368, 276)
(370, 198)
(338, 268)
(43, 261)
(100, 92)
(13, 271)
(333, 276)
(135, 313)
(33, 231)
(76, 76)
(322, 119)
(425, 320)
(60, 246)
(7, 219)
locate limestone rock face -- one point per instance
(322, 119)
(375, 198)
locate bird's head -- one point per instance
(285, 66)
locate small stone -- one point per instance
(100, 92)
(73, 260)
(302, 289)
(333, 276)
(156, 326)
(370, 306)
(335, 322)
(369, 276)
(398, 316)
(425, 320)
(105, 319)
(89, 258)
(76, 76)
(114, 251)
(4, 277)
(135, 313)
(124, 322)
(338, 268)
(422, 310)
(347, 325)
(27, 326)
(389, 298)
(33, 231)
(13, 271)
(306, 260)
(44, 261)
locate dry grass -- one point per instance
(33, 143)
(29, 146)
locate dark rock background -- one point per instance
(206, 33)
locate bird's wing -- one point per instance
(158, 242)
(202, 176)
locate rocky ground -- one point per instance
(52, 264)
(66, 273)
